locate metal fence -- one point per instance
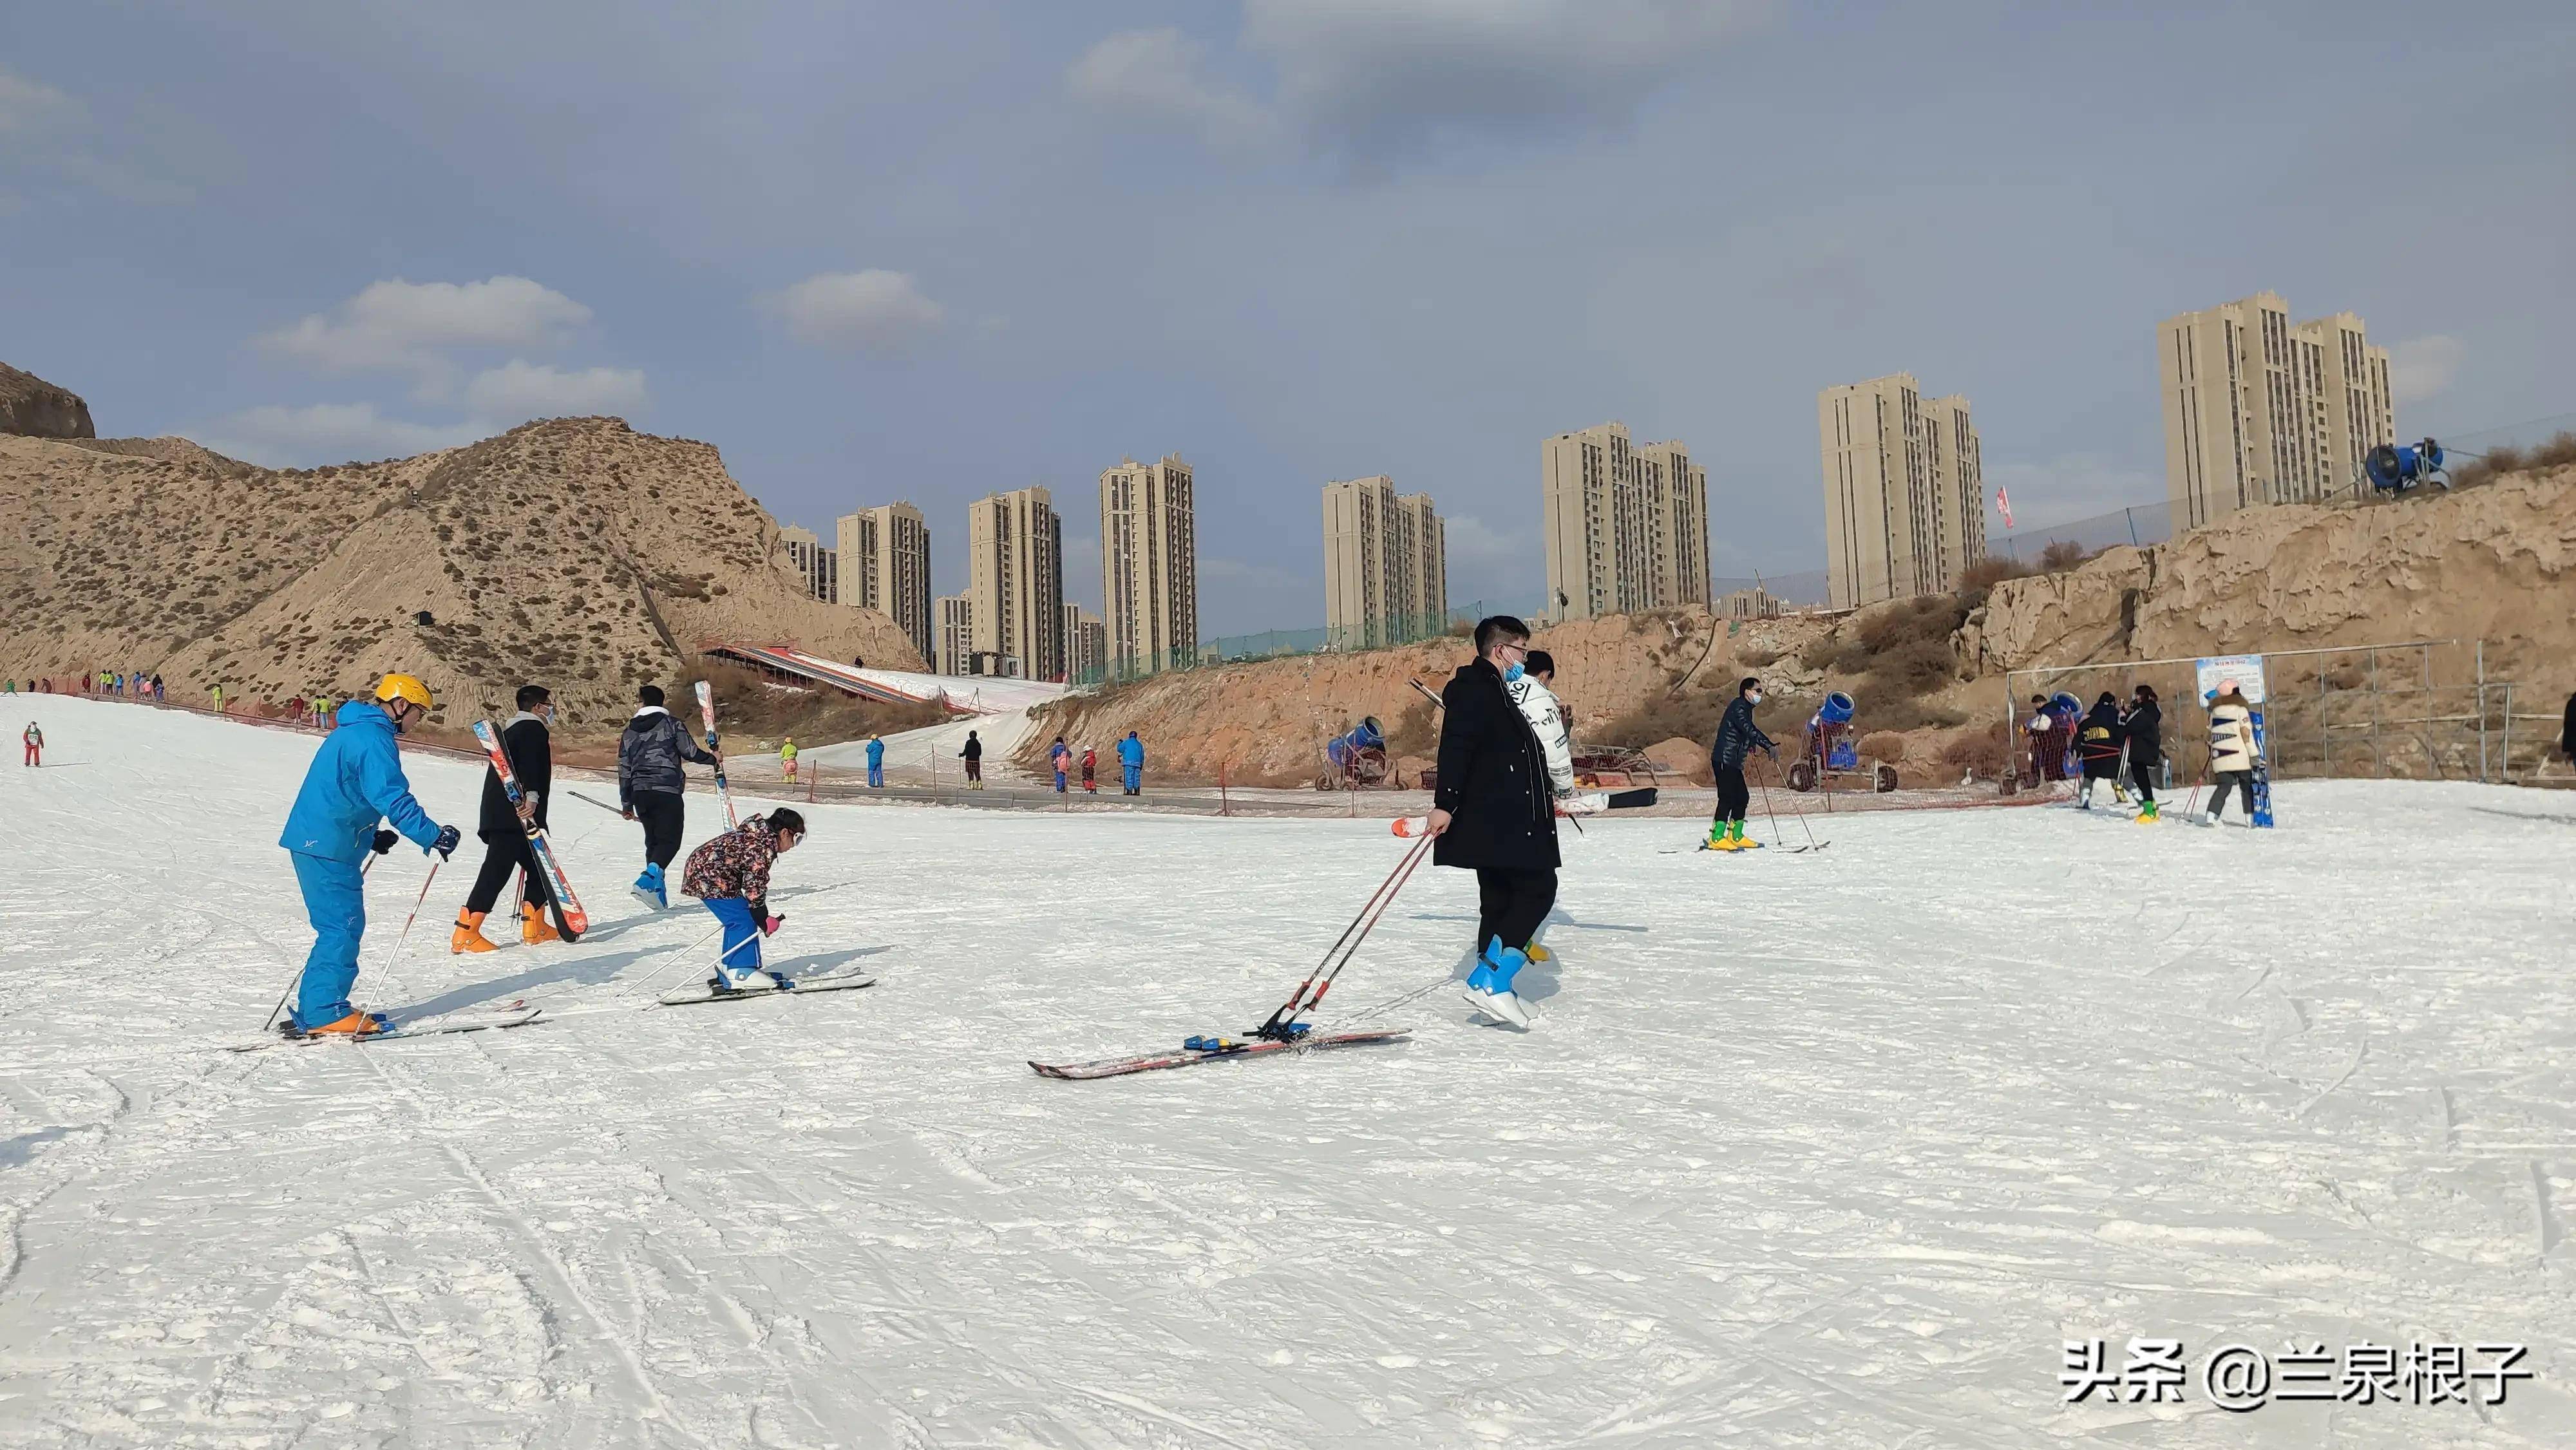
(1276, 643)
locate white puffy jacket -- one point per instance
(1546, 721)
(2231, 738)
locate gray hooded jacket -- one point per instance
(650, 752)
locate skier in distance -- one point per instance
(2097, 744)
(504, 833)
(2144, 726)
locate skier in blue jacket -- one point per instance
(876, 762)
(1131, 764)
(356, 779)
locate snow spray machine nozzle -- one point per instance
(1838, 709)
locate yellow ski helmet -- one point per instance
(406, 687)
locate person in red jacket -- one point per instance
(35, 744)
(1090, 758)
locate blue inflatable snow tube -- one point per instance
(1838, 708)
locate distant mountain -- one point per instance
(575, 553)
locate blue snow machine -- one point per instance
(1358, 757)
(2393, 468)
(1831, 751)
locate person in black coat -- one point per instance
(2097, 745)
(504, 831)
(2144, 727)
(2567, 732)
(1492, 813)
(1737, 738)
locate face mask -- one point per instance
(1755, 697)
(1512, 675)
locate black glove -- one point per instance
(385, 841)
(1773, 751)
(445, 845)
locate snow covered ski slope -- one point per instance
(1822, 1150)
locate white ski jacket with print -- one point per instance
(1546, 721)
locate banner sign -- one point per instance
(2245, 672)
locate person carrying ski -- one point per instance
(504, 831)
(1492, 815)
(1737, 738)
(35, 739)
(355, 780)
(650, 786)
(730, 877)
(1057, 755)
(2097, 744)
(2144, 727)
(1131, 764)
(973, 755)
(876, 762)
(2231, 750)
(1090, 759)
(787, 759)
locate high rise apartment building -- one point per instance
(2260, 410)
(885, 566)
(1015, 589)
(1149, 565)
(1086, 644)
(817, 567)
(1905, 510)
(1624, 525)
(1386, 576)
(954, 620)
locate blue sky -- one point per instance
(930, 251)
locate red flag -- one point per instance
(2004, 502)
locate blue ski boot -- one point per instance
(648, 889)
(1489, 987)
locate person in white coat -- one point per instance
(1546, 716)
(2231, 749)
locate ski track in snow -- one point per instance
(1823, 1150)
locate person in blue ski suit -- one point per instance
(876, 762)
(355, 780)
(1131, 764)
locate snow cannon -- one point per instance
(2393, 468)
(1357, 757)
(1831, 751)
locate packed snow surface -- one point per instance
(1830, 1149)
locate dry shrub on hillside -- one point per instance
(2493, 464)
(2064, 554)
(1990, 571)
(1884, 745)
(1985, 751)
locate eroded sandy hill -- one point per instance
(576, 552)
(2495, 563)
(37, 409)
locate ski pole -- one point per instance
(685, 953)
(603, 805)
(1793, 810)
(1299, 1002)
(1765, 787)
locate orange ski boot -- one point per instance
(533, 926)
(353, 1026)
(468, 936)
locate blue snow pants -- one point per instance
(876, 777)
(335, 901)
(1135, 775)
(741, 934)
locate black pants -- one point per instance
(2242, 780)
(501, 856)
(1511, 904)
(2142, 779)
(1733, 796)
(974, 767)
(662, 815)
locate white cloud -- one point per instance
(1161, 76)
(876, 310)
(517, 391)
(27, 106)
(2422, 368)
(282, 437)
(408, 325)
(1379, 76)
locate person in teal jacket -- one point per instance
(1131, 764)
(356, 779)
